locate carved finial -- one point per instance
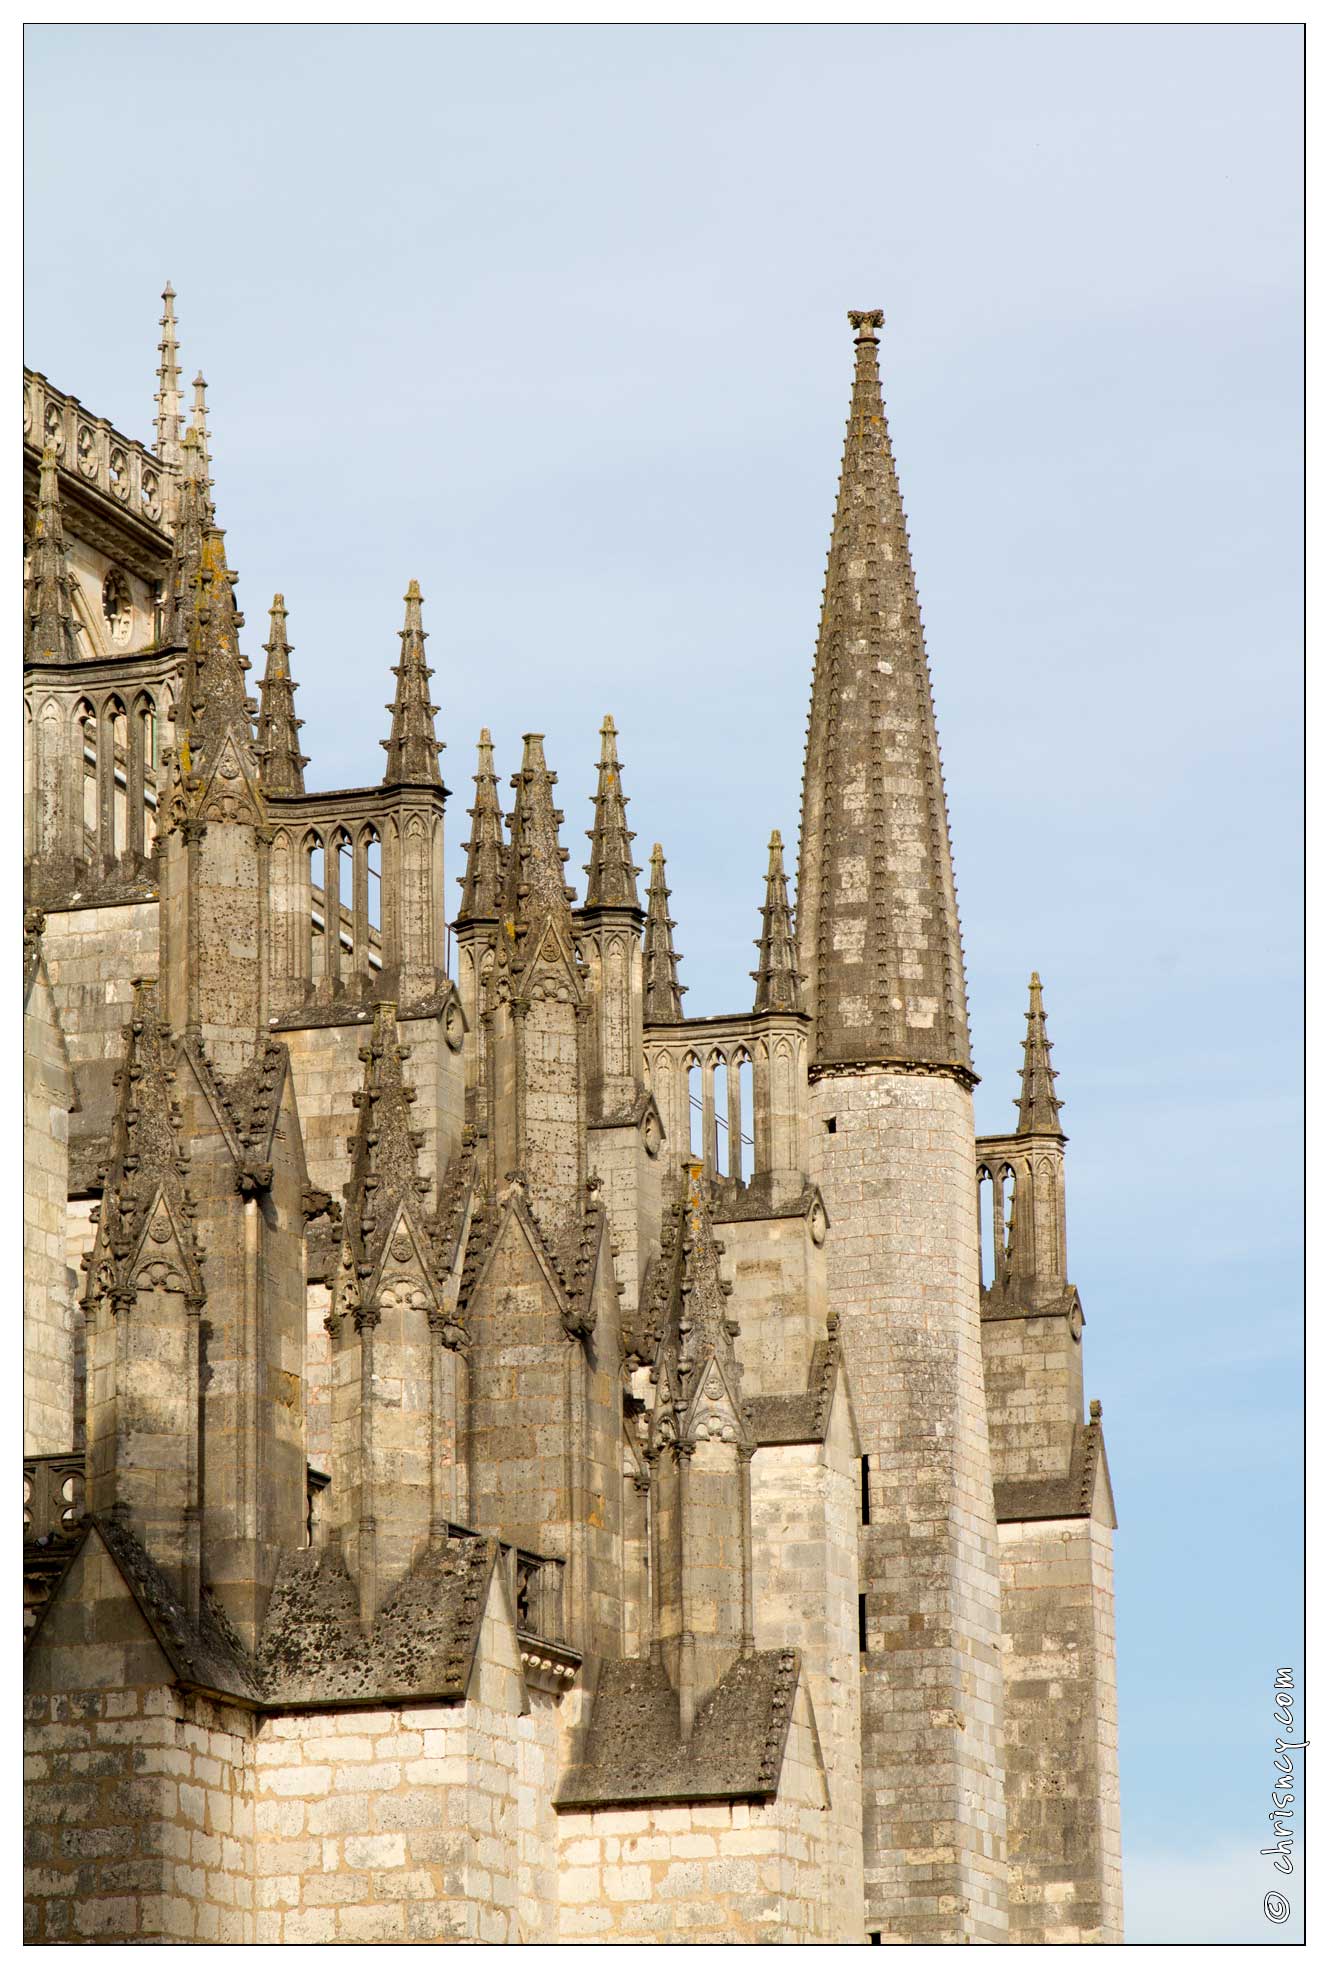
(199, 426)
(482, 884)
(779, 985)
(662, 993)
(50, 633)
(864, 321)
(411, 747)
(281, 762)
(611, 872)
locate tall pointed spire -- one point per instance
(1040, 1110)
(878, 926)
(779, 986)
(50, 632)
(611, 873)
(412, 748)
(482, 884)
(170, 419)
(534, 885)
(663, 994)
(281, 762)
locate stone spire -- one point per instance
(170, 419)
(698, 1329)
(482, 884)
(534, 886)
(663, 992)
(612, 875)
(217, 701)
(412, 748)
(878, 927)
(386, 1182)
(282, 763)
(1040, 1110)
(146, 1171)
(779, 986)
(50, 632)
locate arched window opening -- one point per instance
(85, 807)
(374, 884)
(718, 1143)
(117, 806)
(345, 889)
(694, 1104)
(315, 858)
(986, 1245)
(745, 1117)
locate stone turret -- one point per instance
(413, 846)
(282, 762)
(477, 923)
(891, 1146)
(50, 633)
(663, 994)
(1039, 1108)
(611, 873)
(779, 986)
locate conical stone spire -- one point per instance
(282, 763)
(170, 419)
(1040, 1110)
(535, 888)
(412, 748)
(779, 986)
(878, 927)
(663, 994)
(611, 873)
(482, 884)
(50, 632)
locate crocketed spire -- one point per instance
(145, 1189)
(779, 987)
(387, 1195)
(663, 994)
(281, 762)
(170, 419)
(611, 873)
(217, 700)
(412, 748)
(878, 928)
(482, 884)
(200, 430)
(50, 634)
(1040, 1110)
(534, 885)
(193, 516)
(697, 1373)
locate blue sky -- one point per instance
(553, 321)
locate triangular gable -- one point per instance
(227, 791)
(514, 1210)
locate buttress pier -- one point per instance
(506, 1460)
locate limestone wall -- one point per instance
(92, 957)
(1035, 1385)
